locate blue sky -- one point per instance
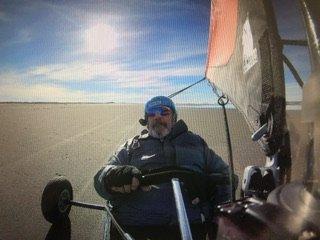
(121, 51)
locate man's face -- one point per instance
(160, 123)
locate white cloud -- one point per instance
(53, 93)
(32, 85)
(39, 92)
(74, 72)
(100, 38)
(176, 53)
(9, 77)
(115, 73)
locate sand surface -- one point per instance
(37, 141)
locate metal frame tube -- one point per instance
(294, 42)
(87, 205)
(293, 70)
(105, 208)
(181, 211)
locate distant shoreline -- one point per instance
(58, 103)
(290, 105)
(178, 104)
(189, 104)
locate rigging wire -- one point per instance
(182, 90)
(223, 100)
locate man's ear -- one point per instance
(143, 122)
(174, 117)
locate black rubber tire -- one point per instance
(54, 200)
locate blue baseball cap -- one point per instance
(157, 104)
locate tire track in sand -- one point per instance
(64, 141)
(125, 136)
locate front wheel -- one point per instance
(55, 202)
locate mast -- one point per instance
(311, 98)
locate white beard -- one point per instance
(158, 130)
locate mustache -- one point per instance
(159, 124)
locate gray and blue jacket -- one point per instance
(157, 207)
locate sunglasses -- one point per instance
(161, 112)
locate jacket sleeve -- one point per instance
(215, 164)
(121, 157)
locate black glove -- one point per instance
(119, 176)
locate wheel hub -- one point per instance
(64, 201)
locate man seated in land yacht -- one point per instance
(149, 212)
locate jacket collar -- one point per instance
(179, 128)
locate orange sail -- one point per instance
(245, 63)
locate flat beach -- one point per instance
(38, 141)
